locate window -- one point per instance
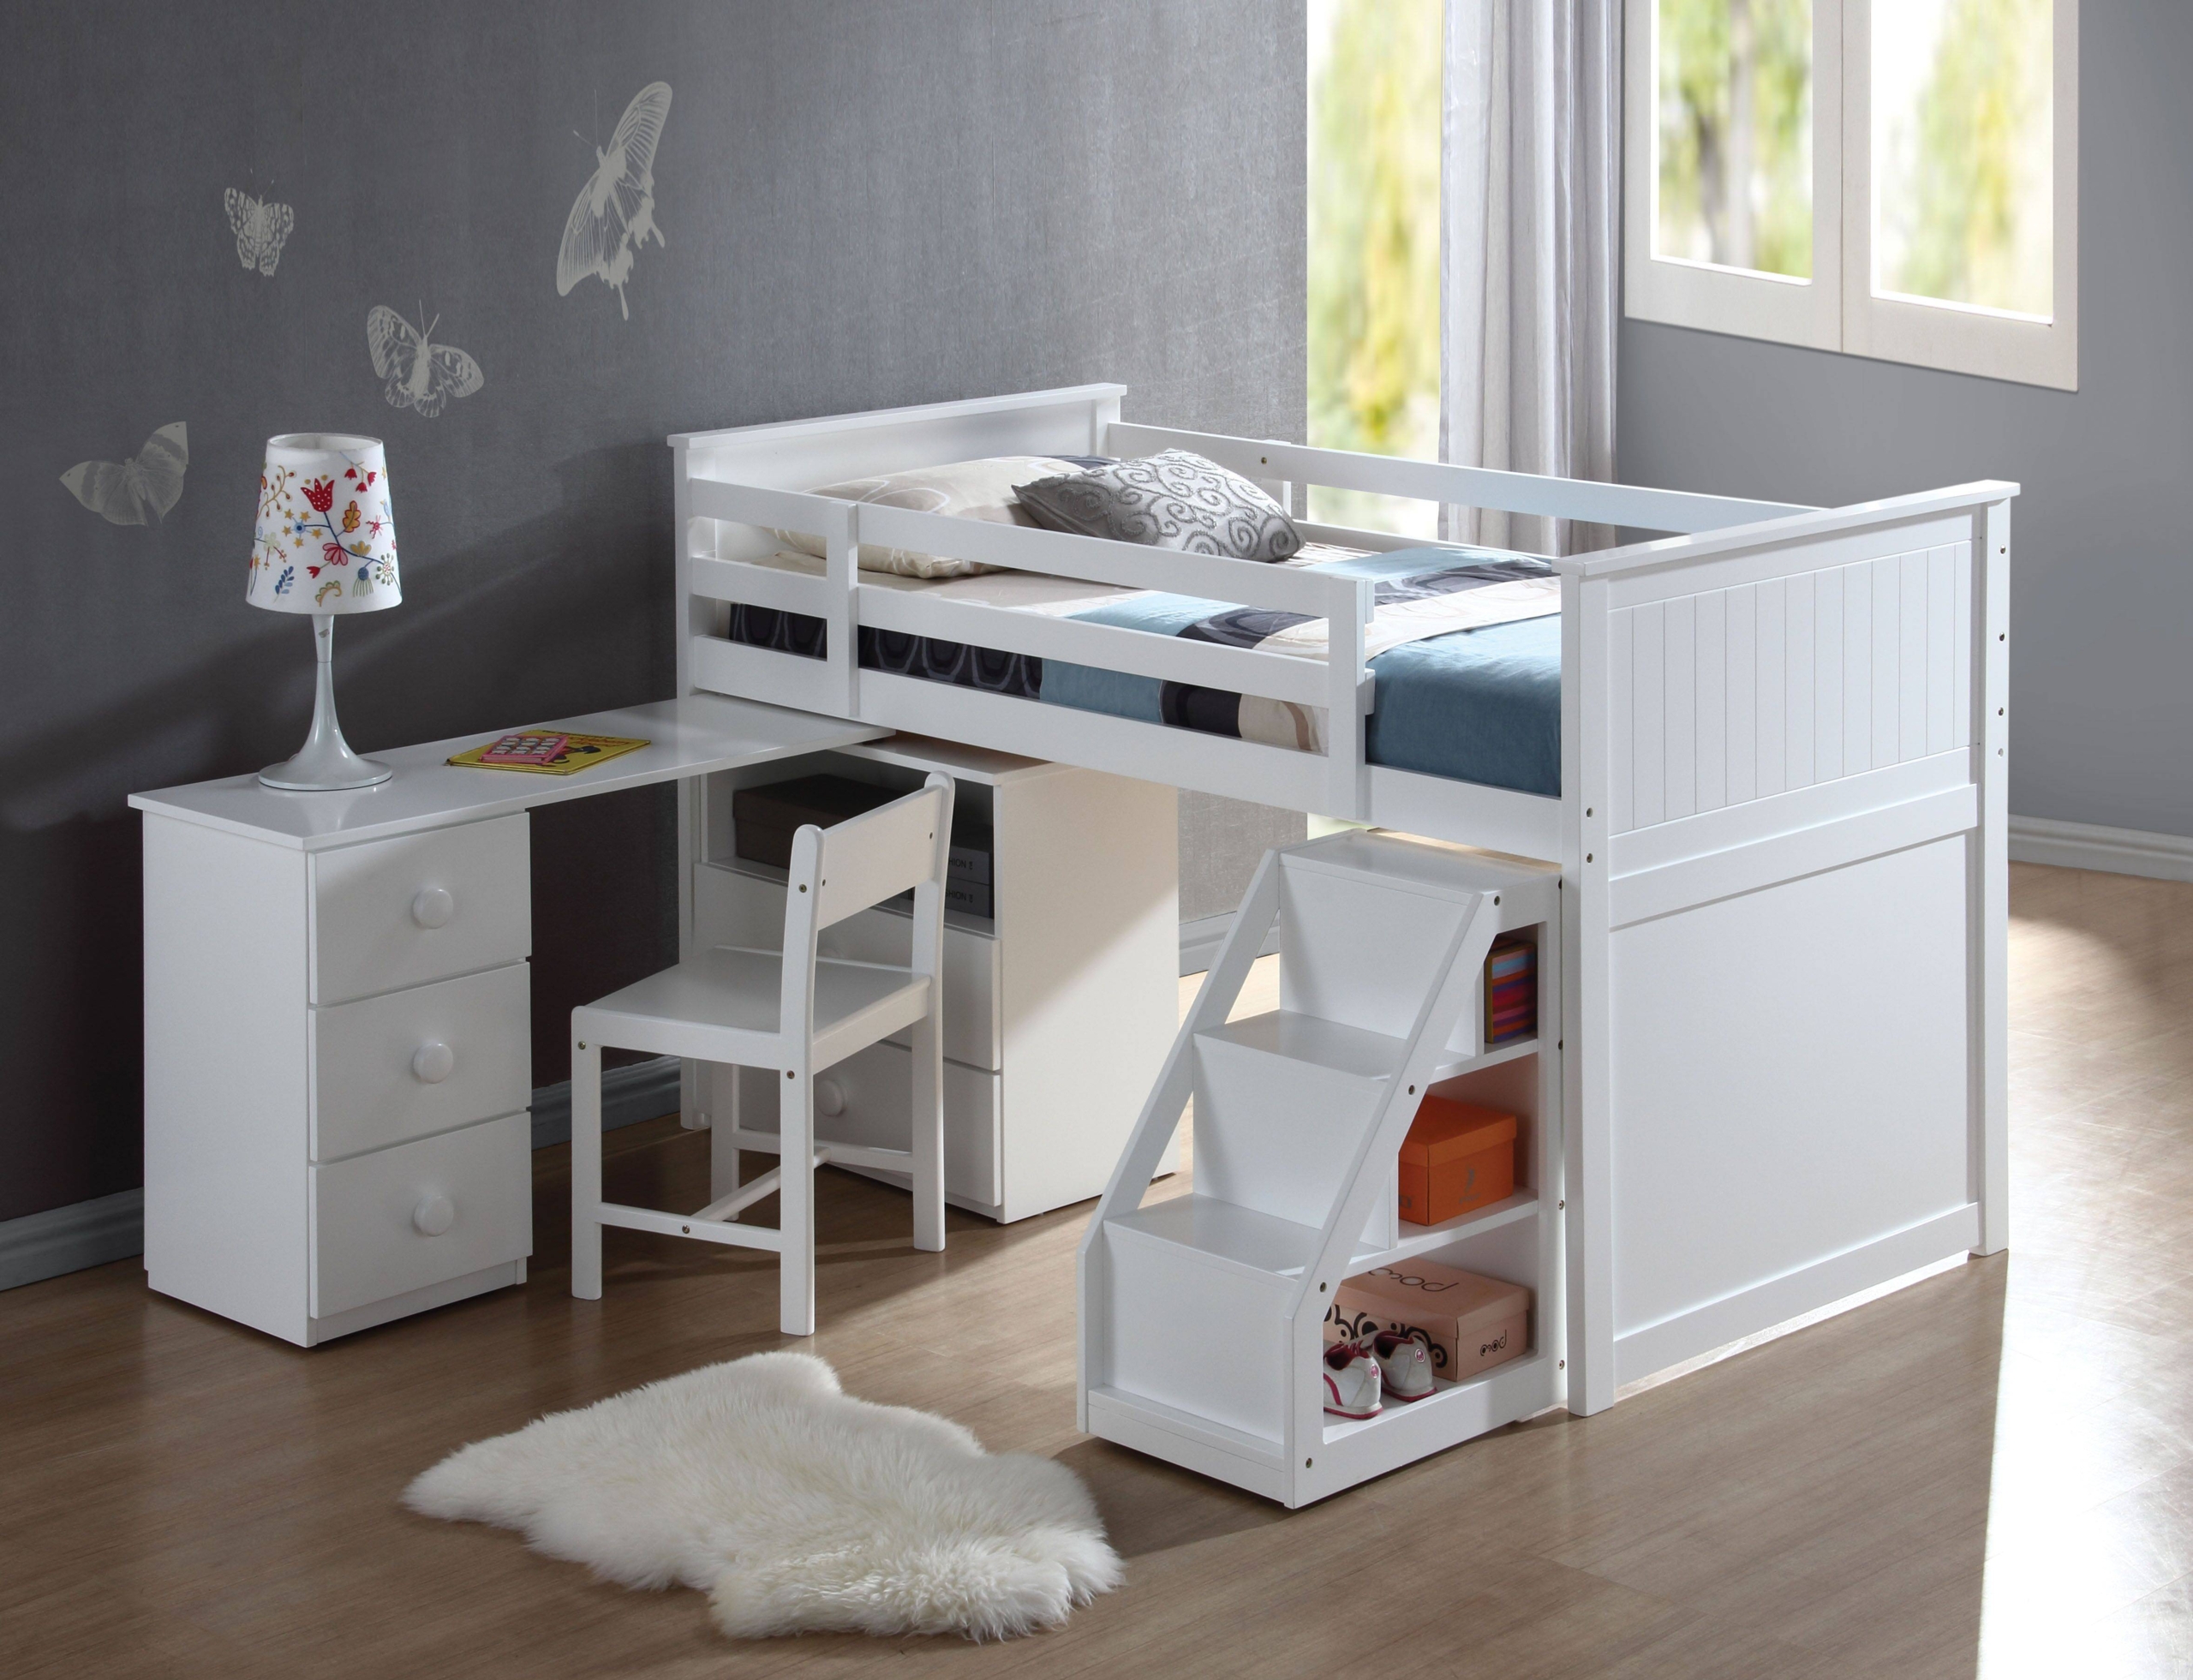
(1374, 246)
(1893, 179)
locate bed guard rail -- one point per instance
(1639, 507)
(1341, 685)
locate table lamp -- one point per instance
(326, 543)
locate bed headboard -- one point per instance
(799, 454)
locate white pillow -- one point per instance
(968, 489)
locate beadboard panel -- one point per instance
(1764, 687)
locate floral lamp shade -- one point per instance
(325, 540)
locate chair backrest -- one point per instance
(876, 856)
(843, 870)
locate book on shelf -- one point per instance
(1511, 989)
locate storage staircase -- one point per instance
(1201, 1314)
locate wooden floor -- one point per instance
(1992, 1468)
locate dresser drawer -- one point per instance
(401, 1218)
(873, 1092)
(734, 908)
(400, 913)
(387, 1069)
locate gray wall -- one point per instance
(1222, 842)
(2101, 595)
(865, 205)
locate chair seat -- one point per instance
(722, 1006)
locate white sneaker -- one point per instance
(1352, 1381)
(1404, 1365)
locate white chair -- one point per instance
(798, 1013)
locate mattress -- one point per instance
(1478, 701)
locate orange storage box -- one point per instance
(1457, 1156)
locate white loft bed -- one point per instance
(1780, 830)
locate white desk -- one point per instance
(337, 1026)
(692, 736)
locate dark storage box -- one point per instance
(766, 818)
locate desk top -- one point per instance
(692, 737)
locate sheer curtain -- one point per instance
(1530, 245)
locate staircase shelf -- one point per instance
(1202, 1314)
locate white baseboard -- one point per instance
(1201, 938)
(2087, 846)
(39, 1246)
(1644, 1352)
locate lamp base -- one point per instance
(316, 771)
(325, 764)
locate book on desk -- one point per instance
(522, 750)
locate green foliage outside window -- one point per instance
(1961, 148)
(1735, 122)
(1966, 166)
(1374, 241)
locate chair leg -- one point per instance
(928, 1144)
(796, 1204)
(586, 1168)
(720, 1086)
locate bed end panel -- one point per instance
(1784, 847)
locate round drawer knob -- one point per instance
(435, 1214)
(433, 1063)
(432, 907)
(829, 1096)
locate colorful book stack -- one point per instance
(1511, 989)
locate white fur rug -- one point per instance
(792, 1505)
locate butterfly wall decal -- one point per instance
(417, 372)
(261, 229)
(615, 211)
(139, 491)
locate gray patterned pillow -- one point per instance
(1175, 500)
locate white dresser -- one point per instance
(338, 1060)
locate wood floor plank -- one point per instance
(1993, 1466)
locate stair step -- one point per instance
(1411, 863)
(1283, 1104)
(1316, 1042)
(1237, 1237)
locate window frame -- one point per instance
(1837, 309)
